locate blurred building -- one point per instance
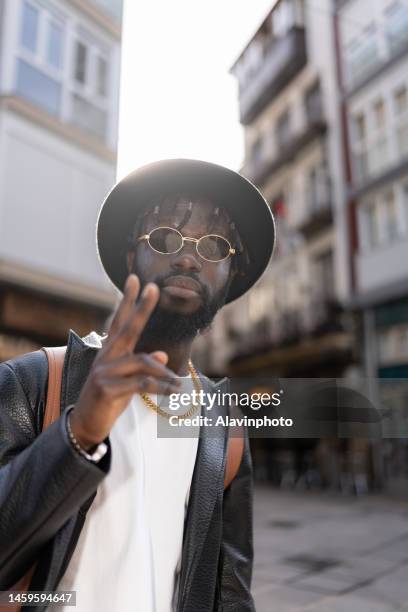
(59, 88)
(323, 100)
(373, 62)
(292, 323)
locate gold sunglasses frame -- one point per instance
(184, 238)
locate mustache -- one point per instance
(161, 279)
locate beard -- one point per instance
(167, 326)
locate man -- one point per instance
(101, 504)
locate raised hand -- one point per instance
(118, 372)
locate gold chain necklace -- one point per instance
(197, 385)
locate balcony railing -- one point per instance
(316, 318)
(319, 211)
(401, 131)
(260, 168)
(283, 60)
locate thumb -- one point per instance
(160, 356)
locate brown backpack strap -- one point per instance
(55, 356)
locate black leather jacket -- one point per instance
(46, 488)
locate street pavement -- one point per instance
(324, 552)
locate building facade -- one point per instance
(291, 323)
(59, 90)
(297, 322)
(373, 61)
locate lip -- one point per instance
(183, 282)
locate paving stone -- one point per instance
(276, 573)
(283, 599)
(325, 583)
(391, 589)
(368, 538)
(350, 603)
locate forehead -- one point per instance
(198, 214)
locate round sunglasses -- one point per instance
(168, 240)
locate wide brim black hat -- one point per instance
(242, 200)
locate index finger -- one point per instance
(131, 291)
(129, 334)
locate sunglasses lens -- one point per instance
(213, 248)
(165, 240)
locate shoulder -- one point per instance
(23, 383)
(29, 372)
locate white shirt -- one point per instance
(129, 551)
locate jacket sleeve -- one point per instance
(237, 548)
(43, 480)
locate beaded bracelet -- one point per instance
(99, 450)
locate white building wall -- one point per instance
(50, 194)
(383, 266)
(51, 188)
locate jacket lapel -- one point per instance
(78, 361)
(207, 484)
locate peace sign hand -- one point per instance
(118, 372)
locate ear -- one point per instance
(130, 258)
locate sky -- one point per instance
(177, 96)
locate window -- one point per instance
(253, 56)
(313, 103)
(283, 130)
(38, 88)
(323, 282)
(40, 58)
(41, 79)
(89, 86)
(359, 131)
(396, 25)
(81, 54)
(55, 45)
(401, 100)
(370, 226)
(312, 189)
(379, 220)
(89, 117)
(360, 127)
(401, 124)
(378, 151)
(379, 114)
(29, 27)
(102, 76)
(390, 217)
(256, 149)
(283, 17)
(362, 55)
(405, 205)
(317, 191)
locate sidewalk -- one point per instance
(326, 553)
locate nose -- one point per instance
(187, 259)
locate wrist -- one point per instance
(74, 426)
(92, 453)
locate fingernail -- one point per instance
(148, 289)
